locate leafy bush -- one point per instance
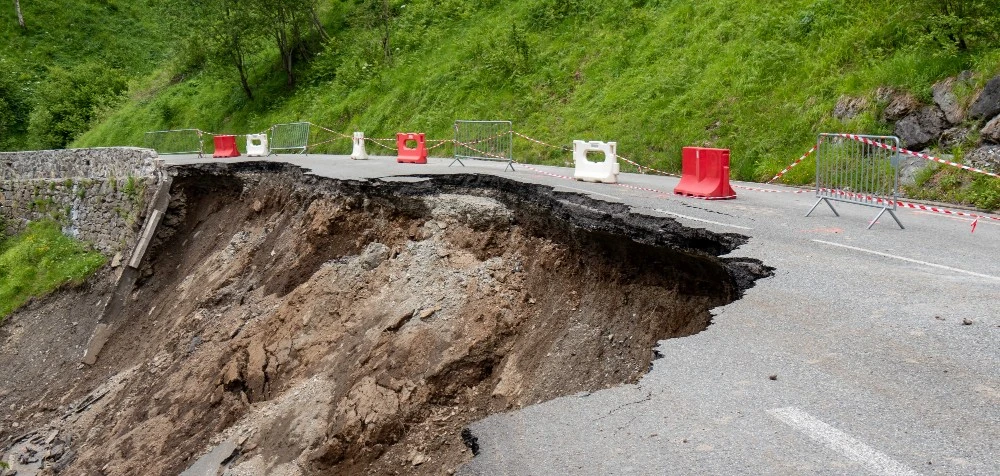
(69, 99)
(14, 107)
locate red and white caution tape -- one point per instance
(339, 135)
(325, 142)
(768, 190)
(790, 167)
(916, 154)
(560, 147)
(441, 143)
(637, 165)
(379, 143)
(915, 206)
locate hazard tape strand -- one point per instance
(790, 167)
(915, 154)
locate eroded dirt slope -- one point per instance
(328, 327)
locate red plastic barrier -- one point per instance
(225, 146)
(705, 173)
(409, 155)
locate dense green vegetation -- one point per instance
(39, 260)
(760, 77)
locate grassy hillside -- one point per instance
(39, 260)
(71, 64)
(759, 77)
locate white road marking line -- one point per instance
(841, 442)
(590, 192)
(910, 260)
(702, 219)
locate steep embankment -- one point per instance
(759, 77)
(321, 327)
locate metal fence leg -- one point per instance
(891, 213)
(817, 204)
(456, 159)
(510, 165)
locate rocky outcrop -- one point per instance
(848, 107)
(991, 132)
(945, 98)
(910, 167)
(900, 105)
(987, 104)
(921, 128)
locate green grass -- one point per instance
(759, 77)
(38, 261)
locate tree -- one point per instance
(292, 22)
(14, 109)
(69, 99)
(380, 15)
(20, 17)
(964, 24)
(232, 34)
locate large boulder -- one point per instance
(986, 157)
(992, 131)
(945, 98)
(900, 105)
(987, 104)
(921, 128)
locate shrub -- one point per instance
(68, 101)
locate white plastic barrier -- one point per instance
(587, 171)
(257, 145)
(359, 152)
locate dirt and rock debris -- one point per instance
(301, 325)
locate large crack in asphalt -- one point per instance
(358, 326)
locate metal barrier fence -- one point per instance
(484, 140)
(854, 172)
(292, 136)
(173, 142)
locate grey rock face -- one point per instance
(944, 97)
(921, 128)
(900, 105)
(848, 108)
(910, 167)
(992, 131)
(986, 157)
(987, 104)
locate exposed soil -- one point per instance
(332, 327)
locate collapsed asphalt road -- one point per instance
(854, 358)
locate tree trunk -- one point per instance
(387, 19)
(323, 35)
(239, 60)
(20, 17)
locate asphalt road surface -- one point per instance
(884, 345)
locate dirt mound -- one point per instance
(326, 327)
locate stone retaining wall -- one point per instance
(99, 195)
